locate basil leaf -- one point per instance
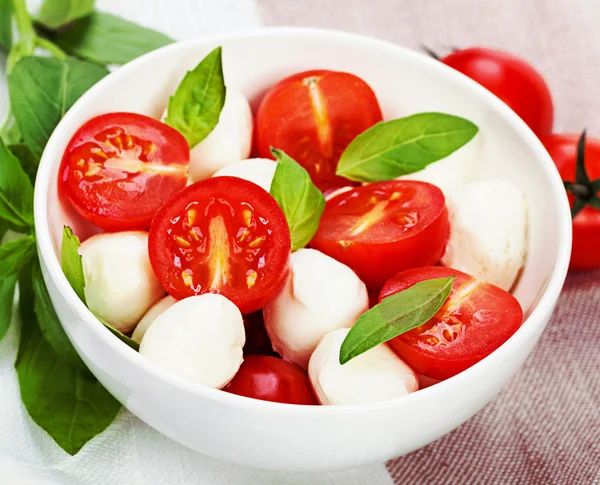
(16, 192)
(71, 262)
(7, 298)
(56, 13)
(107, 39)
(395, 315)
(121, 336)
(3, 229)
(5, 25)
(11, 134)
(195, 107)
(14, 255)
(402, 146)
(28, 160)
(67, 402)
(301, 202)
(41, 91)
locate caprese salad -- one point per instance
(299, 254)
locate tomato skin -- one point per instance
(112, 199)
(585, 254)
(272, 379)
(511, 79)
(482, 315)
(223, 245)
(375, 260)
(313, 116)
(257, 339)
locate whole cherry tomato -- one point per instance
(257, 339)
(586, 223)
(510, 78)
(313, 116)
(272, 379)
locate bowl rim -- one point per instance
(543, 307)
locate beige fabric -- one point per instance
(545, 427)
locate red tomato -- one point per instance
(510, 78)
(272, 379)
(586, 225)
(475, 320)
(257, 340)
(313, 116)
(120, 168)
(222, 235)
(383, 228)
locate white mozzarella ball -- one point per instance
(458, 168)
(320, 295)
(257, 170)
(151, 315)
(199, 338)
(377, 375)
(120, 285)
(488, 231)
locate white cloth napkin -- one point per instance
(130, 452)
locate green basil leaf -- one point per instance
(14, 255)
(66, 401)
(7, 298)
(300, 200)
(395, 315)
(5, 25)
(121, 336)
(16, 191)
(107, 39)
(3, 229)
(11, 134)
(195, 107)
(71, 262)
(42, 89)
(56, 13)
(402, 146)
(29, 162)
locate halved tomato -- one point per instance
(313, 116)
(120, 168)
(475, 320)
(221, 235)
(383, 228)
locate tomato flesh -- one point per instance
(120, 168)
(313, 116)
(383, 228)
(512, 79)
(585, 254)
(272, 379)
(222, 235)
(475, 320)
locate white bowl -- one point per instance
(288, 437)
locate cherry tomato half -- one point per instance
(510, 78)
(313, 116)
(222, 235)
(272, 379)
(383, 228)
(475, 320)
(586, 225)
(120, 168)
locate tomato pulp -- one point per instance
(586, 225)
(313, 116)
(120, 168)
(510, 78)
(475, 320)
(222, 235)
(383, 228)
(272, 379)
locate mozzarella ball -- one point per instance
(320, 295)
(120, 285)
(257, 170)
(458, 168)
(199, 338)
(488, 231)
(151, 315)
(377, 375)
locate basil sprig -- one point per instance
(395, 315)
(404, 145)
